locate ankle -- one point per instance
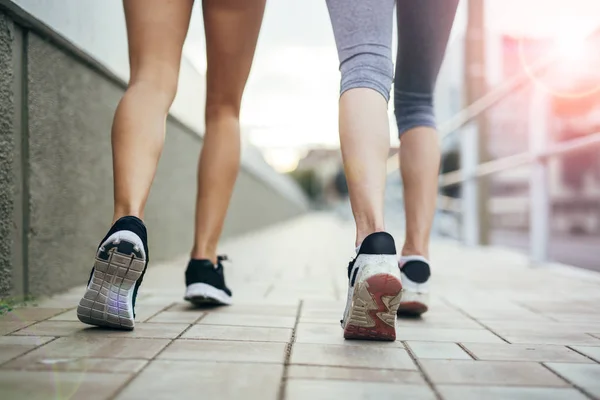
(204, 253)
(411, 250)
(121, 212)
(365, 230)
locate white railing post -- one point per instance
(539, 201)
(469, 163)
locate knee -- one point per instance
(222, 105)
(413, 110)
(157, 81)
(367, 69)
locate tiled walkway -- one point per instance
(497, 330)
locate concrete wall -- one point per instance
(7, 180)
(56, 109)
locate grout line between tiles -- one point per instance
(288, 354)
(422, 371)
(135, 375)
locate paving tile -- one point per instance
(325, 314)
(213, 350)
(7, 327)
(572, 316)
(309, 306)
(320, 320)
(390, 357)
(70, 315)
(68, 328)
(13, 346)
(149, 316)
(302, 389)
(142, 330)
(268, 321)
(258, 309)
(42, 385)
(447, 335)
(505, 313)
(502, 373)
(31, 314)
(452, 392)
(70, 364)
(590, 351)
(355, 374)
(206, 380)
(584, 376)
(186, 317)
(52, 328)
(549, 337)
(243, 333)
(64, 301)
(145, 311)
(438, 350)
(332, 334)
(72, 350)
(542, 327)
(438, 323)
(524, 352)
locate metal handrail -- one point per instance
(486, 102)
(525, 158)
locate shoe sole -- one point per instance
(413, 304)
(107, 301)
(374, 305)
(201, 294)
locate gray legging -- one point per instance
(363, 34)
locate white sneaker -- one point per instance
(374, 290)
(415, 274)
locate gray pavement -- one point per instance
(497, 329)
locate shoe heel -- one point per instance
(374, 307)
(107, 301)
(413, 304)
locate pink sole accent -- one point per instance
(378, 287)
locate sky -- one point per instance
(292, 93)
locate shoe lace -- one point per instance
(220, 259)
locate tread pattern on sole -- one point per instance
(374, 306)
(107, 301)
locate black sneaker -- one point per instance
(119, 268)
(205, 282)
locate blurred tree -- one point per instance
(308, 181)
(450, 163)
(341, 185)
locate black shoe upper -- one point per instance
(375, 243)
(204, 271)
(417, 271)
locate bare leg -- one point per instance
(232, 28)
(156, 30)
(365, 142)
(363, 35)
(419, 162)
